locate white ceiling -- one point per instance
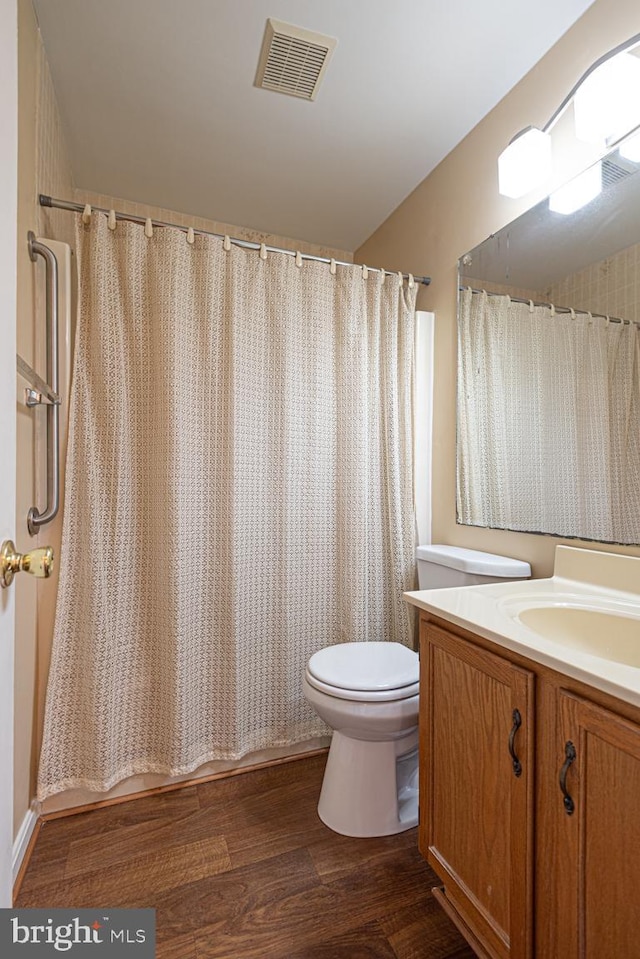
(158, 103)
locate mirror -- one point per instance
(549, 369)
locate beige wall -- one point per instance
(211, 226)
(455, 208)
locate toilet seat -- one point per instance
(365, 672)
(363, 695)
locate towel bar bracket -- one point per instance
(35, 398)
(38, 392)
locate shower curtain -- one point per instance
(239, 494)
(548, 420)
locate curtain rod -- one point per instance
(558, 309)
(50, 201)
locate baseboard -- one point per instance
(126, 791)
(24, 842)
(48, 816)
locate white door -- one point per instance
(8, 216)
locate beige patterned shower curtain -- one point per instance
(238, 495)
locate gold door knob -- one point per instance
(39, 562)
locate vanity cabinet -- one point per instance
(529, 803)
(476, 789)
(598, 886)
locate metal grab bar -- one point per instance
(36, 519)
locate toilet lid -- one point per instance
(365, 666)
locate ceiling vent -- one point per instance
(616, 168)
(293, 60)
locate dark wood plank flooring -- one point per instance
(243, 868)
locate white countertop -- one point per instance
(491, 611)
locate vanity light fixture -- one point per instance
(525, 163)
(606, 102)
(578, 192)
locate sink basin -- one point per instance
(599, 632)
(582, 622)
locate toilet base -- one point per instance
(370, 788)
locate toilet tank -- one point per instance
(440, 566)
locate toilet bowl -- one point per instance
(368, 694)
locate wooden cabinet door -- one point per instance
(598, 844)
(476, 826)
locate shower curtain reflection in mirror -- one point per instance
(548, 420)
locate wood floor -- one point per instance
(242, 868)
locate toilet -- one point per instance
(367, 693)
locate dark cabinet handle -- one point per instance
(570, 758)
(517, 723)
